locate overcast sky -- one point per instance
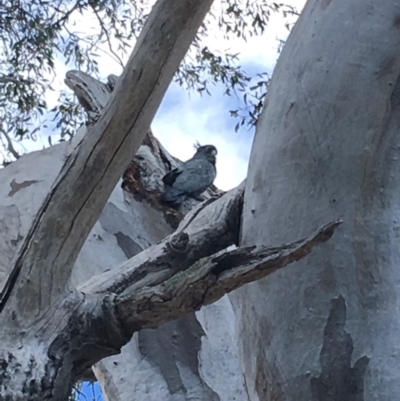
(184, 118)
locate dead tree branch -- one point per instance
(10, 145)
(171, 279)
(207, 229)
(92, 171)
(208, 280)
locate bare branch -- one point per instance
(92, 171)
(208, 280)
(104, 30)
(10, 145)
(92, 94)
(209, 228)
(175, 277)
(148, 300)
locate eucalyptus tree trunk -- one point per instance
(328, 146)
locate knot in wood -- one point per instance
(179, 242)
(112, 82)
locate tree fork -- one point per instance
(84, 328)
(91, 172)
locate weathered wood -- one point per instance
(210, 227)
(95, 325)
(146, 365)
(207, 281)
(74, 203)
(84, 328)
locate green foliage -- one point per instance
(36, 34)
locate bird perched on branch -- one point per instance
(192, 177)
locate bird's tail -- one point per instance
(172, 196)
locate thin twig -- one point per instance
(10, 145)
(104, 30)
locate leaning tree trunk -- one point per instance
(328, 146)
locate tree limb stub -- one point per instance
(150, 302)
(208, 228)
(72, 207)
(208, 280)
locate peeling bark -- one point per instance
(338, 380)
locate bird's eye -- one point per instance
(214, 152)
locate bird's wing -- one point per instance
(171, 176)
(196, 176)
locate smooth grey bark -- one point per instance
(327, 146)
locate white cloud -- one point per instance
(204, 120)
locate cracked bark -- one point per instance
(94, 322)
(49, 163)
(157, 301)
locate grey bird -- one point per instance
(192, 177)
